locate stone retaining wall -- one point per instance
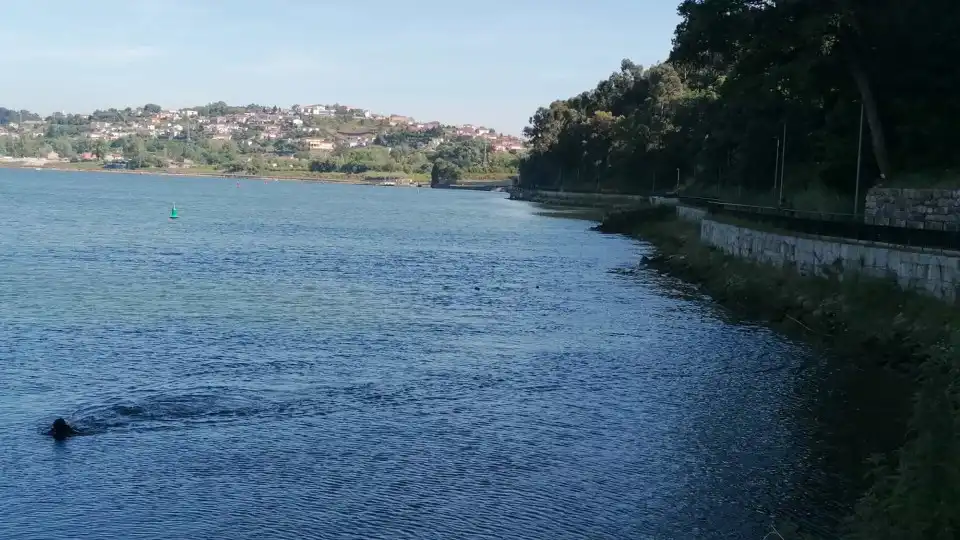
(937, 274)
(933, 209)
(691, 213)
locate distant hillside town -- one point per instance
(332, 138)
(302, 124)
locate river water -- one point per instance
(293, 360)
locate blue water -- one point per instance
(292, 360)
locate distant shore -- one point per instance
(374, 178)
(206, 173)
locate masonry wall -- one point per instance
(937, 274)
(934, 209)
(691, 213)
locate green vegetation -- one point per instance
(7, 116)
(869, 325)
(742, 74)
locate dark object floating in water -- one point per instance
(60, 430)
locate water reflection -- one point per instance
(840, 411)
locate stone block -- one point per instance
(882, 260)
(947, 269)
(933, 287)
(893, 259)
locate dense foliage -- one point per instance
(7, 116)
(744, 72)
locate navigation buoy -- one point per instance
(173, 211)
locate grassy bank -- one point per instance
(913, 487)
(603, 202)
(207, 171)
(280, 174)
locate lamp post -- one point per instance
(776, 166)
(783, 165)
(856, 190)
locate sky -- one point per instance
(490, 63)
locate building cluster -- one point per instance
(302, 125)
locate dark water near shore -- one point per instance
(291, 360)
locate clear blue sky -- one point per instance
(491, 62)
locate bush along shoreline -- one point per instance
(911, 487)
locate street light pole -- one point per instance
(783, 164)
(856, 191)
(776, 166)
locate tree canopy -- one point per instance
(8, 115)
(742, 73)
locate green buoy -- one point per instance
(173, 211)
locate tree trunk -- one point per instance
(850, 44)
(877, 138)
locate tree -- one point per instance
(152, 108)
(444, 173)
(63, 147)
(8, 116)
(322, 166)
(100, 149)
(743, 71)
(285, 147)
(134, 148)
(27, 147)
(256, 165)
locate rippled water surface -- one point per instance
(294, 360)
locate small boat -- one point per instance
(173, 211)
